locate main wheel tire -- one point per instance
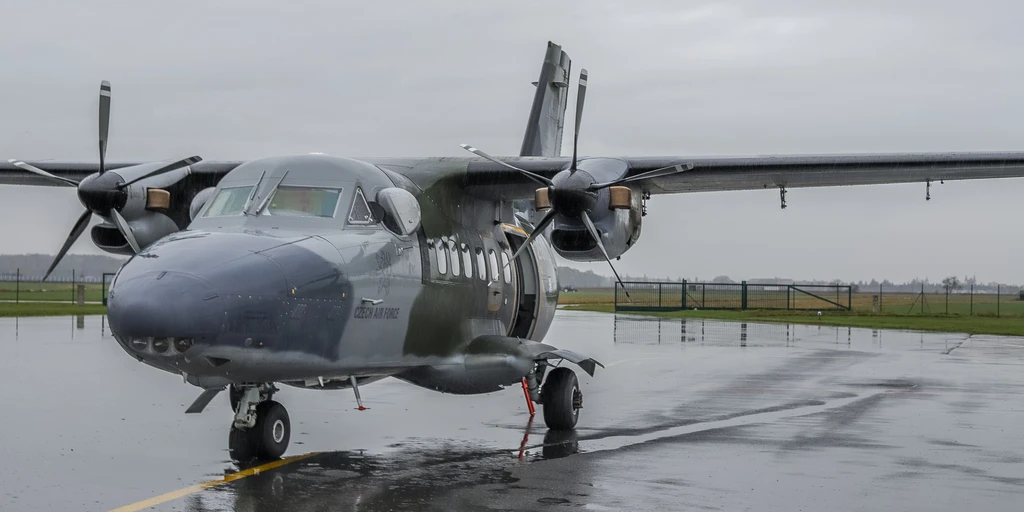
(239, 444)
(269, 437)
(561, 398)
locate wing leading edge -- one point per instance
(713, 174)
(801, 171)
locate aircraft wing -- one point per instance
(750, 173)
(11, 175)
(710, 174)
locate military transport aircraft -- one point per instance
(324, 272)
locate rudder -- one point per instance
(547, 116)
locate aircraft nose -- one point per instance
(163, 304)
(181, 287)
(232, 293)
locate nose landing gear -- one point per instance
(261, 428)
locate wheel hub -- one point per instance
(577, 399)
(278, 431)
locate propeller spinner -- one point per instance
(102, 193)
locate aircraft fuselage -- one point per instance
(287, 274)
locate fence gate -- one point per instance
(669, 296)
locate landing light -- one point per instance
(140, 344)
(182, 344)
(160, 345)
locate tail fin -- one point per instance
(547, 117)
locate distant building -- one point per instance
(780, 283)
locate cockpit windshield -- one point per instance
(229, 201)
(304, 201)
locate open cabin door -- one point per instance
(524, 320)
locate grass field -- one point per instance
(8, 309)
(33, 291)
(895, 312)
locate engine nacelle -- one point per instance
(617, 217)
(143, 209)
(148, 228)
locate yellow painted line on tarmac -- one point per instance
(202, 486)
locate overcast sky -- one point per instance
(246, 79)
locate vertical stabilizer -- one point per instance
(547, 117)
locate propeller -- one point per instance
(33, 169)
(122, 226)
(103, 193)
(104, 121)
(570, 194)
(533, 176)
(581, 94)
(656, 173)
(184, 162)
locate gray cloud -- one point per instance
(237, 80)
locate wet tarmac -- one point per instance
(705, 415)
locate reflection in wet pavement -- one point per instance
(688, 414)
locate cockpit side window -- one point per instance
(360, 212)
(229, 201)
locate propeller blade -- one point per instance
(581, 94)
(76, 232)
(597, 238)
(535, 177)
(125, 229)
(35, 170)
(541, 226)
(165, 169)
(657, 173)
(529, 227)
(104, 121)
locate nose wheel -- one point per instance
(562, 399)
(260, 431)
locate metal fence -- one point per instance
(668, 296)
(19, 287)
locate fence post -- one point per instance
(615, 303)
(72, 286)
(879, 297)
(17, 287)
(789, 288)
(998, 291)
(849, 298)
(659, 295)
(683, 302)
(947, 300)
(972, 299)
(743, 295)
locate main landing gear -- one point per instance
(261, 428)
(560, 396)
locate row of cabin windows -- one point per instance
(458, 257)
